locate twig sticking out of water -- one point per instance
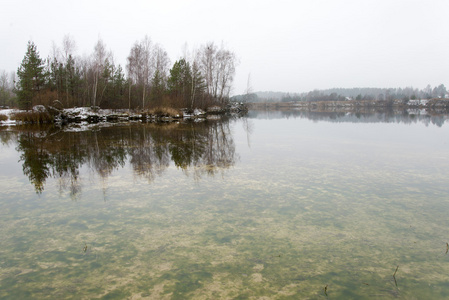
(325, 290)
(394, 275)
(447, 247)
(395, 271)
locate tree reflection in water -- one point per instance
(195, 148)
(357, 116)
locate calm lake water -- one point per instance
(279, 205)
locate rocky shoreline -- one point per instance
(51, 114)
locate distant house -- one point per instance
(417, 102)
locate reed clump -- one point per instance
(33, 117)
(3, 118)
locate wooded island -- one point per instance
(200, 79)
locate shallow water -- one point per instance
(277, 205)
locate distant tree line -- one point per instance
(7, 95)
(199, 79)
(340, 94)
(405, 94)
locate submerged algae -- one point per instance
(274, 226)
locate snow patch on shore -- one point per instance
(8, 112)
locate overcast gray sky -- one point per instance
(291, 46)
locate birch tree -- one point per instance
(208, 66)
(147, 65)
(99, 61)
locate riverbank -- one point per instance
(440, 105)
(47, 114)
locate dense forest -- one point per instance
(199, 79)
(341, 94)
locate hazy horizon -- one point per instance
(293, 46)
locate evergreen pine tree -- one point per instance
(157, 89)
(31, 77)
(119, 86)
(180, 82)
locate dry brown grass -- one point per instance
(3, 117)
(32, 117)
(162, 111)
(46, 98)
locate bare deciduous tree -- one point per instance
(68, 47)
(226, 61)
(218, 67)
(208, 66)
(141, 65)
(6, 87)
(162, 61)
